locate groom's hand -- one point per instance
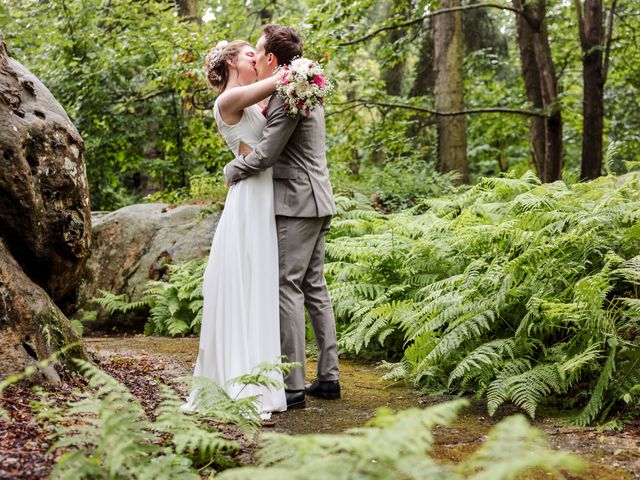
(227, 179)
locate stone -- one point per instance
(135, 244)
(32, 327)
(45, 217)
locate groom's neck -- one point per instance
(269, 72)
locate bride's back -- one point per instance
(248, 129)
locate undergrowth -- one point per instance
(511, 290)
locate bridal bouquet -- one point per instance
(302, 85)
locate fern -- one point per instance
(399, 446)
(113, 303)
(106, 433)
(551, 270)
(486, 355)
(31, 370)
(514, 448)
(187, 433)
(593, 407)
(175, 306)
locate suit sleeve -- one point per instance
(275, 136)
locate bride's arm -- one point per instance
(236, 99)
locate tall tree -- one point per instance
(449, 90)
(393, 73)
(542, 88)
(594, 65)
(423, 81)
(189, 9)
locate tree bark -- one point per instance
(449, 91)
(542, 89)
(393, 74)
(592, 40)
(423, 82)
(188, 9)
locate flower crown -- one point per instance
(213, 60)
(214, 54)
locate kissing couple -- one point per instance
(267, 255)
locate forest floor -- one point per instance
(141, 362)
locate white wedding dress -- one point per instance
(240, 323)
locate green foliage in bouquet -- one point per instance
(510, 290)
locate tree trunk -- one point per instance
(592, 41)
(188, 9)
(449, 91)
(542, 89)
(423, 81)
(393, 74)
(534, 91)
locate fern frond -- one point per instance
(486, 355)
(513, 448)
(593, 407)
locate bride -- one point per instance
(240, 323)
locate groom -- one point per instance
(295, 147)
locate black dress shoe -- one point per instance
(329, 390)
(295, 399)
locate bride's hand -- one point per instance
(244, 149)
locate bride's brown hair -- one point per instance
(215, 65)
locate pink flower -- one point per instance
(319, 81)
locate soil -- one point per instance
(141, 362)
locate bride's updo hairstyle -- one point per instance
(215, 65)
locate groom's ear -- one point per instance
(271, 59)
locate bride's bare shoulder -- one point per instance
(230, 112)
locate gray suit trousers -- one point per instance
(302, 284)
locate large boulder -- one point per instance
(135, 244)
(44, 221)
(44, 199)
(31, 326)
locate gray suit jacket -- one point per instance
(295, 147)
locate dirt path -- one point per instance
(611, 455)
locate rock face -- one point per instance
(31, 326)
(133, 245)
(44, 220)
(44, 198)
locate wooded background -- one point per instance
(421, 87)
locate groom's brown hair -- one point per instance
(284, 42)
